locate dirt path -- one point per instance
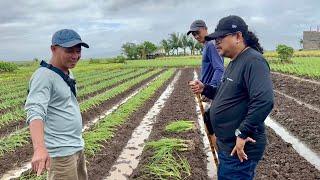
(180, 106)
(129, 157)
(100, 165)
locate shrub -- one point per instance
(120, 59)
(285, 53)
(94, 61)
(8, 66)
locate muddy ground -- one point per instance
(180, 106)
(100, 165)
(299, 120)
(304, 91)
(281, 161)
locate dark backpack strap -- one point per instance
(71, 82)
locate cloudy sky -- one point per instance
(26, 26)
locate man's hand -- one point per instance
(205, 99)
(196, 86)
(239, 148)
(40, 160)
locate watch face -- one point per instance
(237, 132)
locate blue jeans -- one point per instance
(230, 167)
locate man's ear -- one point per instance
(53, 48)
(240, 37)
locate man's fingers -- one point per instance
(34, 166)
(40, 167)
(242, 155)
(239, 156)
(233, 151)
(193, 83)
(249, 139)
(48, 163)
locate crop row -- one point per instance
(18, 113)
(106, 127)
(85, 106)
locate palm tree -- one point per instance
(165, 44)
(198, 47)
(174, 41)
(191, 44)
(184, 42)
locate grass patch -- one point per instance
(8, 66)
(180, 126)
(166, 162)
(13, 141)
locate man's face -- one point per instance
(200, 34)
(226, 44)
(68, 57)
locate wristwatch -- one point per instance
(237, 132)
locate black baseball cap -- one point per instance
(196, 25)
(226, 25)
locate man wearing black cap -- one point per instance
(212, 63)
(242, 102)
(53, 113)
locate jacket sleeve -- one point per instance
(217, 64)
(260, 91)
(38, 97)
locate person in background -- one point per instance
(212, 63)
(211, 67)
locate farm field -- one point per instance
(141, 121)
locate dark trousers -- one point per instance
(230, 167)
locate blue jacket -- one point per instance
(212, 65)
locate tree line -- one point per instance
(167, 47)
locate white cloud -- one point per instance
(26, 27)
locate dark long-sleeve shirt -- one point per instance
(212, 65)
(243, 101)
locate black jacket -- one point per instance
(242, 101)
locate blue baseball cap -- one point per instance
(67, 38)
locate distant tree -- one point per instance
(198, 47)
(149, 47)
(141, 51)
(191, 44)
(36, 60)
(166, 46)
(130, 50)
(146, 48)
(175, 42)
(184, 42)
(285, 52)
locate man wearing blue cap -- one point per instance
(53, 113)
